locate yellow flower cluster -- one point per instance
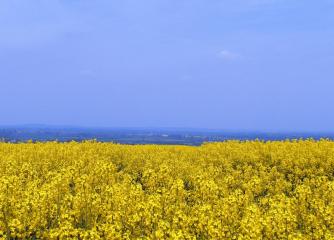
(228, 190)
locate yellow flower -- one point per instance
(228, 190)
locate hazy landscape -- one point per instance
(172, 136)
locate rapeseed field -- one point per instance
(228, 190)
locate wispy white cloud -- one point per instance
(228, 55)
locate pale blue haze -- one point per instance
(225, 64)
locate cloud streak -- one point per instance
(228, 55)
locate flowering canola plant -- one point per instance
(228, 190)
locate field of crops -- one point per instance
(229, 190)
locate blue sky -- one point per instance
(228, 64)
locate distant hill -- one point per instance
(38, 132)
